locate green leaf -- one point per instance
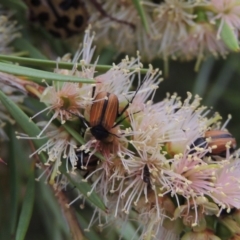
(201, 83)
(84, 224)
(16, 4)
(14, 179)
(141, 13)
(223, 79)
(38, 75)
(27, 208)
(127, 230)
(22, 119)
(85, 188)
(52, 64)
(229, 38)
(50, 210)
(24, 45)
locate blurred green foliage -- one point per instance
(217, 82)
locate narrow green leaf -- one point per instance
(27, 208)
(52, 64)
(24, 45)
(84, 224)
(223, 79)
(127, 230)
(50, 210)
(14, 180)
(229, 38)
(203, 77)
(22, 119)
(141, 13)
(85, 188)
(39, 74)
(17, 4)
(74, 133)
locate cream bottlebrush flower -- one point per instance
(122, 27)
(69, 99)
(65, 99)
(200, 42)
(117, 81)
(225, 11)
(110, 174)
(174, 125)
(60, 145)
(170, 123)
(8, 31)
(226, 192)
(172, 20)
(188, 176)
(169, 126)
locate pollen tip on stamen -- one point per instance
(81, 206)
(88, 194)
(86, 230)
(67, 205)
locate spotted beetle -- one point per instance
(65, 18)
(62, 18)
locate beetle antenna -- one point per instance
(114, 135)
(129, 102)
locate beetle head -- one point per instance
(99, 132)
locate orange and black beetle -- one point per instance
(218, 141)
(103, 114)
(62, 18)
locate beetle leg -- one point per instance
(129, 102)
(93, 91)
